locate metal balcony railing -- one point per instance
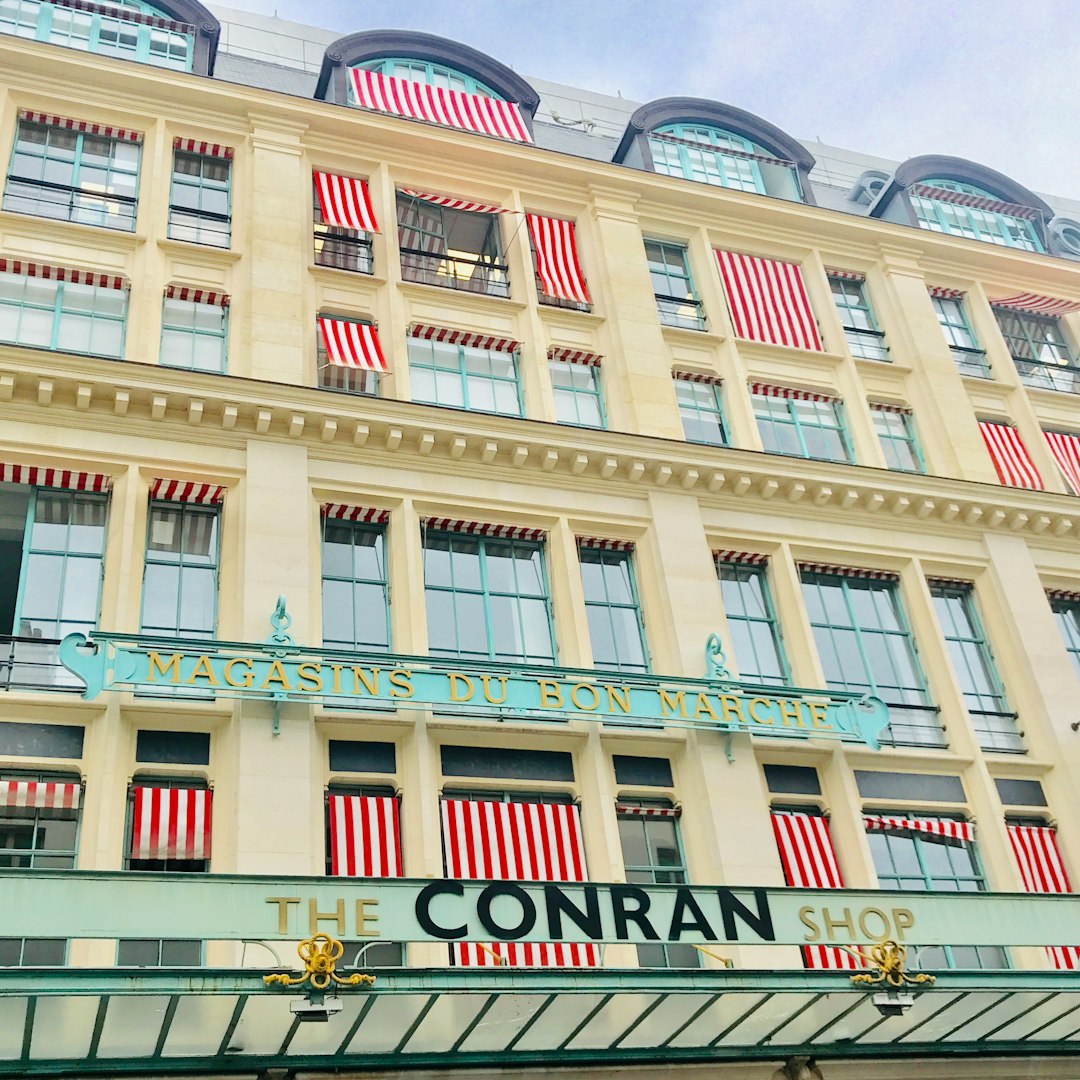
(33, 663)
(971, 362)
(454, 272)
(1040, 376)
(914, 725)
(684, 311)
(558, 301)
(62, 202)
(199, 226)
(343, 249)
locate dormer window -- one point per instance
(700, 153)
(959, 209)
(430, 74)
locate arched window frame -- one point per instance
(976, 223)
(703, 165)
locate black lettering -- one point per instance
(528, 911)
(423, 910)
(620, 894)
(559, 904)
(760, 923)
(686, 904)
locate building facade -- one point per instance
(517, 407)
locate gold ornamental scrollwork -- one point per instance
(889, 957)
(320, 954)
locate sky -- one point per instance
(990, 80)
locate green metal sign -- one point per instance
(280, 671)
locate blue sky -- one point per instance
(990, 80)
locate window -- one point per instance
(45, 836)
(973, 664)
(487, 598)
(464, 377)
(700, 409)
(864, 338)
(974, 222)
(616, 628)
(33, 952)
(194, 335)
(430, 74)
(455, 249)
(790, 423)
(676, 299)
(652, 855)
(913, 861)
(355, 592)
(173, 747)
(752, 623)
(199, 202)
(154, 952)
(108, 31)
(337, 246)
(58, 172)
(180, 580)
(169, 822)
(970, 359)
(701, 157)
(1066, 611)
(65, 316)
(865, 646)
(897, 438)
(1039, 349)
(578, 399)
(348, 378)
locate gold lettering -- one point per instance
(370, 684)
(315, 916)
(704, 706)
(153, 661)
(831, 924)
(819, 715)
(454, 680)
(672, 703)
(310, 676)
(592, 690)
(276, 674)
(867, 932)
(731, 704)
(790, 711)
(364, 917)
(804, 918)
(400, 681)
(283, 903)
(550, 694)
(614, 701)
(751, 708)
(903, 919)
(203, 670)
(486, 682)
(336, 669)
(248, 676)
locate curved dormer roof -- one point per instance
(368, 45)
(207, 30)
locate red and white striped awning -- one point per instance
(939, 292)
(744, 558)
(436, 105)
(62, 273)
(513, 841)
(345, 202)
(1066, 451)
(85, 127)
(1010, 457)
(39, 795)
(170, 823)
(979, 202)
(1042, 871)
(649, 811)
(187, 491)
(663, 136)
(847, 571)
(846, 275)
(768, 301)
(452, 203)
(197, 296)
(890, 406)
(952, 830)
(1063, 594)
(365, 837)
(1034, 304)
(696, 376)
(352, 344)
(933, 581)
(127, 14)
(346, 512)
(770, 390)
(466, 338)
(565, 355)
(204, 149)
(809, 862)
(481, 528)
(67, 479)
(555, 250)
(600, 543)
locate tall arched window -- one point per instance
(702, 153)
(979, 216)
(430, 74)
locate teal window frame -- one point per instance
(1042, 354)
(864, 336)
(664, 864)
(612, 606)
(677, 300)
(752, 623)
(188, 326)
(707, 165)
(464, 591)
(794, 426)
(1067, 616)
(59, 315)
(33, 822)
(975, 223)
(193, 196)
(365, 580)
(442, 75)
(338, 377)
(896, 434)
(972, 660)
(907, 861)
(701, 410)
(866, 645)
(578, 393)
(969, 357)
(62, 174)
(464, 377)
(186, 563)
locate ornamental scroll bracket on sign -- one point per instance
(278, 671)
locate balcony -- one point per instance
(971, 362)
(1039, 376)
(62, 202)
(548, 300)
(457, 272)
(343, 249)
(914, 725)
(682, 311)
(33, 663)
